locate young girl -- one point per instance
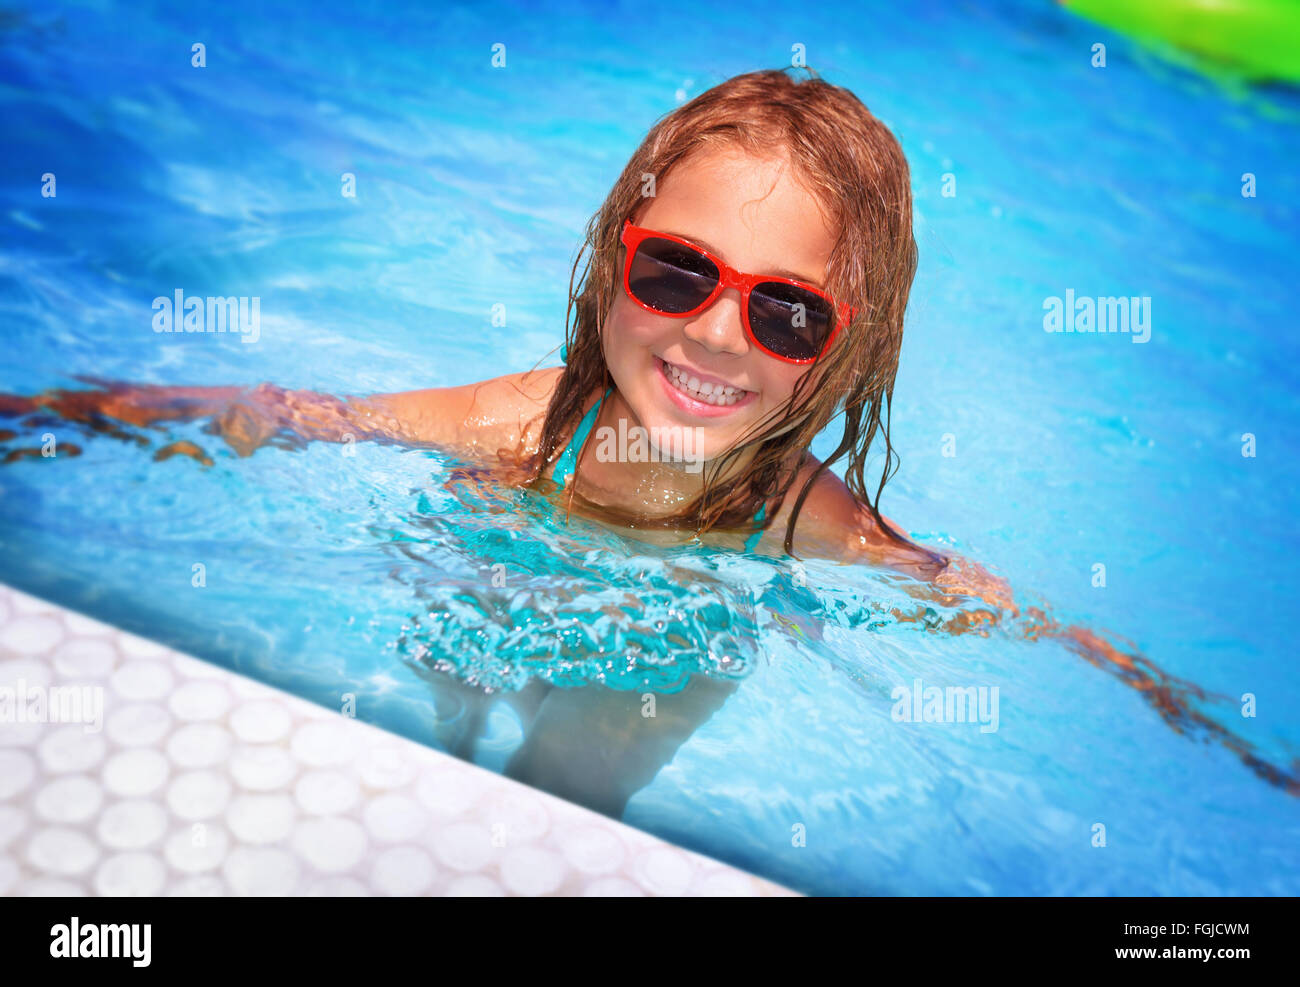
(747, 282)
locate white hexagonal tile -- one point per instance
(205, 783)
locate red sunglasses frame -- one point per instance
(729, 277)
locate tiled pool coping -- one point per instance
(199, 781)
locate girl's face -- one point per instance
(752, 214)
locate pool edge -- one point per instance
(203, 781)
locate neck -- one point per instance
(622, 469)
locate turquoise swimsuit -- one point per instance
(568, 462)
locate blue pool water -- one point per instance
(331, 574)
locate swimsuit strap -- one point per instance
(759, 516)
(567, 464)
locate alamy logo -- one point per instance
(952, 704)
(197, 313)
(667, 444)
(1108, 314)
(77, 941)
(24, 702)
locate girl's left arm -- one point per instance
(961, 581)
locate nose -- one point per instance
(718, 328)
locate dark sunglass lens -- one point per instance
(789, 320)
(671, 277)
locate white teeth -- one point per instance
(709, 393)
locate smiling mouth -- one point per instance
(720, 395)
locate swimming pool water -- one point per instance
(334, 572)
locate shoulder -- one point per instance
(508, 412)
(482, 417)
(834, 524)
(513, 396)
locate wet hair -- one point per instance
(855, 169)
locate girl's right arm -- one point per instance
(468, 420)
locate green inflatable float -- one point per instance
(1258, 40)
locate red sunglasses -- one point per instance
(785, 318)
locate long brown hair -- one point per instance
(855, 168)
